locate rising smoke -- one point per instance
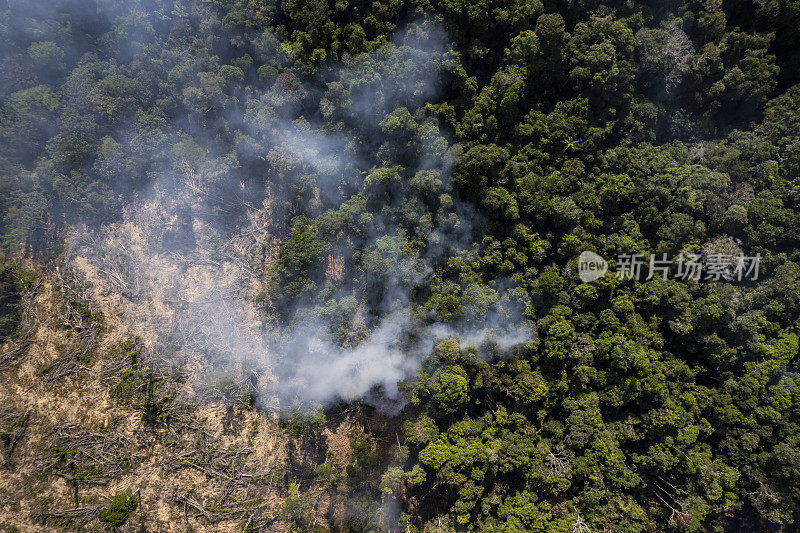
(195, 245)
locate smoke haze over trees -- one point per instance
(314, 205)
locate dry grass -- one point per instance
(137, 370)
(69, 447)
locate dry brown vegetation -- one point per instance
(89, 412)
(72, 439)
(140, 369)
(116, 384)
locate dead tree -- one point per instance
(12, 430)
(27, 328)
(83, 456)
(77, 313)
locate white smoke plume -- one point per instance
(183, 274)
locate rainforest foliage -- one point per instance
(489, 142)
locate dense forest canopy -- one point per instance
(442, 164)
